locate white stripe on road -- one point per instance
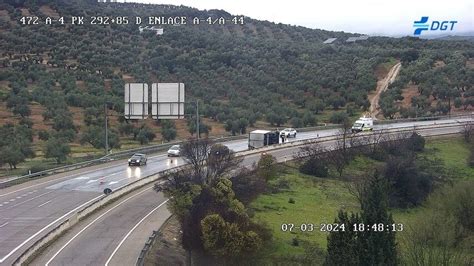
(87, 226)
(31, 199)
(46, 227)
(128, 234)
(3, 224)
(44, 203)
(60, 178)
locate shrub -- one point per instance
(314, 167)
(471, 156)
(43, 135)
(295, 242)
(38, 168)
(145, 135)
(418, 142)
(266, 166)
(338, 117)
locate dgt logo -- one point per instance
(435, 25)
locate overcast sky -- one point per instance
(382, 17)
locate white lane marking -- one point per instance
(44, 203)
(113, 182)
(3, 224)
(87, 226)
(58, 179)
(19, 197)
(6, 202)
(31, 199)
(130, 232)
(12, 200)
(91, 181)
(46, 227)
(82, 178)
(159, 155)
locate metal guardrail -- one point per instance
(105, 199)
(165, 146)
(404, 129)
(423, 118)
(105, 159)
(146, 248)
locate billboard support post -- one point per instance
(197, 118)
(106, 133)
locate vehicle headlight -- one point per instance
(129, 160)
(138, 161)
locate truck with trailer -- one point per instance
(260, 138)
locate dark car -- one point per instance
(137, 159)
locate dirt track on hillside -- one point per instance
(382, 86)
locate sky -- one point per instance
(374, 17)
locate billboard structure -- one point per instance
(136, 101)
(167, 100)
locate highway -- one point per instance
(29, 210)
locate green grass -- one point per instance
(454, 153)
(390, 63)
(317, 201)
(324, 116)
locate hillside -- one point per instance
(56, 78)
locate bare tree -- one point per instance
(342, 152)
(221, 161)
(395, 143)
(468, 131)
(372, 141)
(207, 160)
(195, 152)
(337, 159)
(311, 149)
(345, 137)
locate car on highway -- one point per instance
(288, 132)
(137, 159)
(175, 150)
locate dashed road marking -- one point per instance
(46, 227)
(82, 178)
(31, 199)
(44, 203)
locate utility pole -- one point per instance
(197, 118)
(106, 133)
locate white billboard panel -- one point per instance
(167, 100)
(136, 101)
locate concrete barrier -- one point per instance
(57, 231)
